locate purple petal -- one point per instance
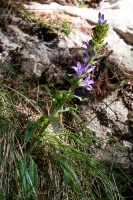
(79, 72)
(85, 57)
(90, 82)
(99, 15)
(86, 82)
(102, 17)
(90, 86)
(91, 68)
(84, 66)
(99, 21)
(87, 77)
(83, 83)
(78, 65)
(79, 69)
(94, 54)
(73, 67)
(76, 69)
(87, 45)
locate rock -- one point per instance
(33, 56)
(110, 4)
(108, 121)
(127, 145)
(120, 34)
(110, 115)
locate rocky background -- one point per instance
(108, 112)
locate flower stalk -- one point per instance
(82, 76)
(83, 70)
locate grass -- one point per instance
(57, 165)
(52, 163)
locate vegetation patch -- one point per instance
(44, 142)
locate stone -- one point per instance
(120, 34)
(34, 57)
(109, 114)
(127, 145)
(108, 121)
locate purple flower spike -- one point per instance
(86, 82)
(91, 68)
(101, 19)
(85, 57)
(79, 69)
(87, 45)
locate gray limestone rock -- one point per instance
(119, 16)
(34, 56)
(109, 122)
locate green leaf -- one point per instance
(69, 169)
(29, 178)
(2, 93)
(66, 78)
(23, 172)
(29, 131)
(47, 89)
(77, 97)
(31, 126)
(68, 179)
(33, 174)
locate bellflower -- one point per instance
(85, 57)
(79, 69)
(90, 68)
(87, 45)
(86, 82)
(94, 54)
(101, 19)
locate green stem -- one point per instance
(46, 123)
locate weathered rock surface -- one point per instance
(110, 122)
(119, 15)
(34, 57)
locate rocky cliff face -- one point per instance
(45, 54)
